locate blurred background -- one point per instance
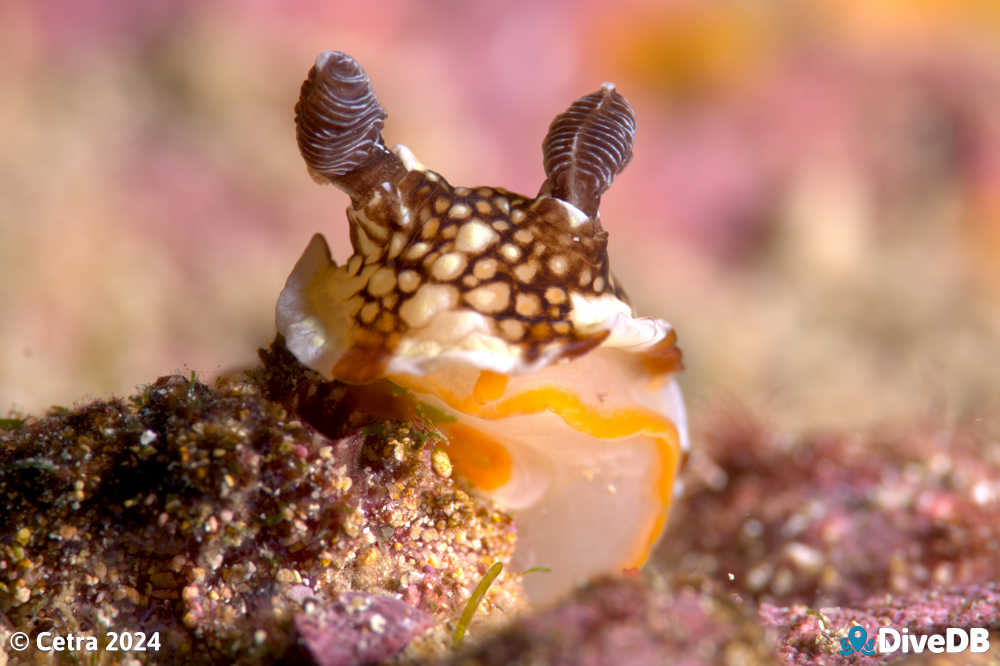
(814, 201)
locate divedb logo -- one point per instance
(889, 641)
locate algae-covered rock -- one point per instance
(226, 524)
(280, 518)
(359, 628)
(617, 621)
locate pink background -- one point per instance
(814, 201)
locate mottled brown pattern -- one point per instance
(424, 247)
(533, 259)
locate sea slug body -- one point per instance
(500, 312)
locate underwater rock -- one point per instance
(217, 518)
(244, 522)
(808, 636)
(832, 519)
(618, 621)
(360, 628)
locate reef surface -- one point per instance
(278, 518)
(239, 531)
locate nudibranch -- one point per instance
(499, 312)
